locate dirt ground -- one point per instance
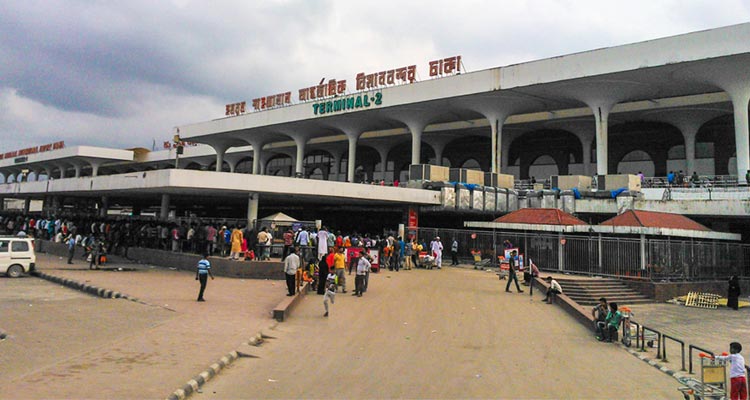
(66, 344)
(437, 334)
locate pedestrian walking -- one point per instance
(330, 291)
(202, 273)
(454, 252)
(363, 265)
(436, 246)
(512, 273)
(71, 248)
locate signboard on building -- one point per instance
(33, 150)
(333, 88)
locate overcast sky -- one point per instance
(122, 74)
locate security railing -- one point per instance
(665, 260)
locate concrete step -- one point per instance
(587, 292)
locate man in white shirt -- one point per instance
(436, 246)
(554, 290)
(363, 266)
(291, 265)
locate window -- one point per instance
(3, 247)
(19, 246)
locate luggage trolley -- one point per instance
(713, 381)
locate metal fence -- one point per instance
(654, 259)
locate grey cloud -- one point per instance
(116, 66)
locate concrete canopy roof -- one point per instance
(76, 155)
(662, 68)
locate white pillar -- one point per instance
(690, 151)
(352, 157)
(252, 209)
(496, 144)
(298, 169)
(416, 142)
(601, 115)
(164, 210)
(257, 150)
(740, 100)
(62, 171)
(220, 150)
(643, 252)
(95, 168)
(77, 168)
(586, 156)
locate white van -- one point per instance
(16, 256)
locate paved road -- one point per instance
(437, 334)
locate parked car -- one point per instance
(16, 256)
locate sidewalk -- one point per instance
(711, 329)
(150, 362)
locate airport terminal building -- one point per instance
(673, 104)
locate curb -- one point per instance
(85, 288)
(199, 380)
(678, 375)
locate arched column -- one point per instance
(95, 167)
(733, 77)
(416, 128)
(438, 142)
(601, 111)
(351, 160)
(62, 168)
(257, 156)
(688, 121)
(301, 142)
(415, 121)
(740, 99)
(220, 150)
(585, 131)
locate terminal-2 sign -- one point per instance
(348, 103)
